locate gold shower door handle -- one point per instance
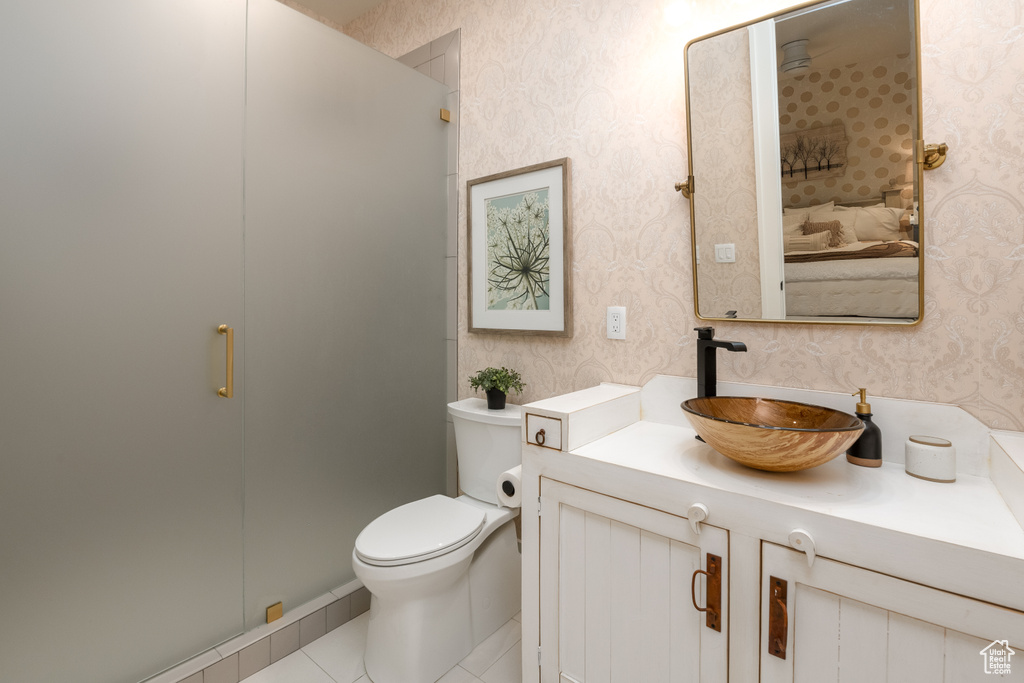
(228, 391)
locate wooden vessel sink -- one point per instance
(770, 434)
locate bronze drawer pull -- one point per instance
(539, 437)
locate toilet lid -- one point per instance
(418, 531)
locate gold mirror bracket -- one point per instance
(686, 188)
(931, 156)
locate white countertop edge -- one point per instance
(1006, 463)
(566, 404)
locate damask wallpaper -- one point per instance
(602, 82)
(874, 102)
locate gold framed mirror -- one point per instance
(805, 151)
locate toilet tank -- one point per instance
(488, 443)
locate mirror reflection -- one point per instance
(802, 131)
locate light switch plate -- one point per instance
(725, 253)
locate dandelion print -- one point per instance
(518, 277)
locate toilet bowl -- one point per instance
(444, 573)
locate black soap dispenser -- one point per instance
(867, 450)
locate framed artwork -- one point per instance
(519, 241)
(814, 153)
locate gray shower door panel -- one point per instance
(345, 204)
(120, 254)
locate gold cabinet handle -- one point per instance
(228, 391)
(540, 438)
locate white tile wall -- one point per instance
(224, 671)
(439, 59)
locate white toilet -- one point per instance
(444, 573)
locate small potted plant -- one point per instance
(496, 384)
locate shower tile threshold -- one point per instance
(338, 658)
(323, 642)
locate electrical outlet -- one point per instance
(616, 322)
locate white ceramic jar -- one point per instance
(931, 458)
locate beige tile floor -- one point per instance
(338, 658)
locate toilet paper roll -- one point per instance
(510, 485)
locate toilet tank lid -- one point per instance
(419, 530)
(476, 409)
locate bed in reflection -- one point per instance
(843, 261)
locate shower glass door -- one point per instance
(120, 254)
(345, 215)
(134, 137)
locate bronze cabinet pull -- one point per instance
(539, 438)
(693, 590)
(713, 610)
(778, 618)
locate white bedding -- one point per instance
(883, 287)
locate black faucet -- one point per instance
(707, 368)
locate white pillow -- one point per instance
(878, 223)
(847, 218)
(793, 225)
(804, 211)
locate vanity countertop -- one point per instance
(965, 537)
(969, 513)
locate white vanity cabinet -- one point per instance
(618, 585)
(888, 579)
(614, 585)
(845, 623)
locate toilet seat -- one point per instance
(418, 531)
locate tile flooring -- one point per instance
(338, 658)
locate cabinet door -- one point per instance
(849, 624)
(615, 592)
